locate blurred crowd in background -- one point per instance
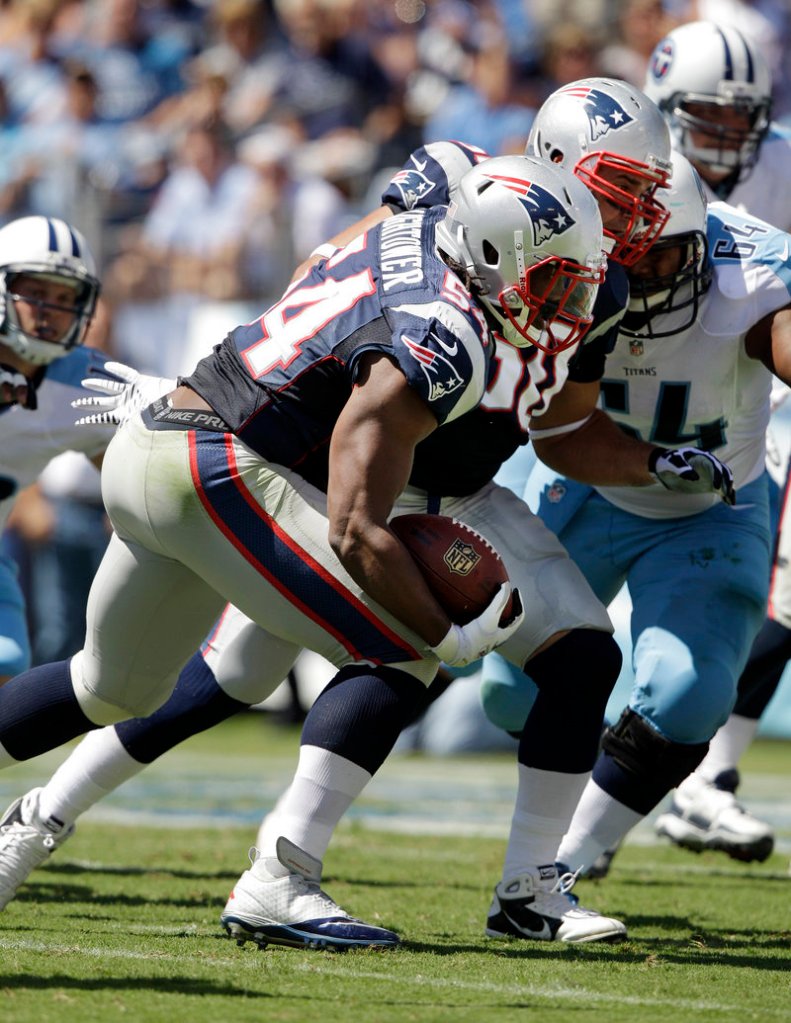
(205, 147)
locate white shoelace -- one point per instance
(566, 881)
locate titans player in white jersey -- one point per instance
(552, 774)
(48, 292)
(709, 321)
(714, 87)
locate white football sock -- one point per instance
(728, 746)
(98, 765)
(324, 787)
(599, 822)
(545, 802)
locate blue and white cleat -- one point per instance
(271, 907)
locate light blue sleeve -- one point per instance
(735, 237)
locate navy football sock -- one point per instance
(196, 704)
(575, 677)
(770, 653)
(39, 711)
(638, 766)
(361, 712)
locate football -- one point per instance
(462, 570)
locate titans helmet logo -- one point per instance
(547, 215)
(661, 60)
(605, 113)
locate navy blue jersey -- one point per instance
(462, 456)
(281, 381)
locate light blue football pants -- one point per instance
(698, 586)
(14, 642)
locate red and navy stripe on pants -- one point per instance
(281, 561)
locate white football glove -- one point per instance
(122, 398)
(692, 471)
(464, 644)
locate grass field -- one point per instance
(122, 922)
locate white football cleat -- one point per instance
(703, 815)
(25, 843)
(538, 906)
(268, 906)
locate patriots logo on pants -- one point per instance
(547, 215)
(604, 113)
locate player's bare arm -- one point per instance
(343, 238)
(370, 461)
(596, 451)
(770, 342)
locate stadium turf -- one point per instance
(122, 921)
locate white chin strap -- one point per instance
(534, 335)
(639, 305)
(721, 161)
(33, 350)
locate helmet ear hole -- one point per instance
(490, 253)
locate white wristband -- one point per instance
(324, 251)
(557, 431)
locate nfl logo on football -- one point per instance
(461, 557)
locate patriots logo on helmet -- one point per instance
(442, 376)
(413, 185)
(547, 215)
(661, 59)
(604, 112)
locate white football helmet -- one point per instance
(667, 303)
(713, 66)
(529, 237)
(601, 128)
(50, 248)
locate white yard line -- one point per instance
(314, 967)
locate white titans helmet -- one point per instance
(607, 132)
(665, 303)
(48, 248)
(714, 87)
(529, 237)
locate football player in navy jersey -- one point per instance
(267, 477)
(352, 726)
